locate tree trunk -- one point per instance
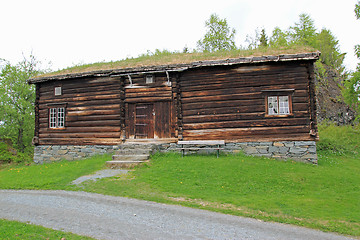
(20, 141)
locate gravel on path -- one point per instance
(100, 174)
(108, 217)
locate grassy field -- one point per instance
(22, 231)
(326, 196)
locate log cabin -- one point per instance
(260, 105)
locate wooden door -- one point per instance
(144, 121)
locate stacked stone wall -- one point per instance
(301, 151)
(50, 153)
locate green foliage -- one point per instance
(278, 38)
(263, 38)
(321, 73)
(304, 31)
(260, 40)
(328, 45)
(17, 102)
(339, 140)
(351, 91)
(357, 51)
(18, 230)
(5, 154)
(219, 36)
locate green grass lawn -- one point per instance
(22, 231)
(326, 196)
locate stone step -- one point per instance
(123, 164)
(131, 157)
(133, 151)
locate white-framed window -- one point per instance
(278, 105)
(57, 117)
(149, 79)
(57, 91)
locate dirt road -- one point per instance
(107, 217)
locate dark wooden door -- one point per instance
(144, 121)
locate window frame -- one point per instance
(57, 116)
(57, 91)
(149, 77)
(278, 93)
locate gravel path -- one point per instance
(107, 217)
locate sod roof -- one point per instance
(179, 62)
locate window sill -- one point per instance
(279, 116)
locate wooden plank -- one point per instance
(83, 118)
(80, 135)
(235, 117)
(130, 120)
(269, 122)
(85, 98)
(222, 117)
(147, 99)
(231, 133)
(148, 89)
(202, 142)
(94, 112)
(262, 138)
(79, 141)
(104, 103)
(148, 94)
(45, 112)
(225, 110)
(82, 129)
(80, 83)
(76, 95)
(215, 104)
(93, 107)
(144, 121)
(87, 123)
(231, 88)
(188, 81)
(245, 96)
(66, 90)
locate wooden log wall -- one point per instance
(229, 103)
(312, 106)
(92, 115)
(158, 94)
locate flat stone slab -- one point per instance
(100, 174)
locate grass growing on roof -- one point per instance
(166, 57)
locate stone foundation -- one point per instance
(50, 153)
(301, 151)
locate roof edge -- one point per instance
(312, 56)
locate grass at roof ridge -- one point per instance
(166, 57)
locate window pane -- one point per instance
(52, 118)
(61, 117)
(284, 105)
(149, 79)
(57, 91)
(272, 105)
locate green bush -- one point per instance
(339, 140)
(9, 155)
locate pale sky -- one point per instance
(69, 32)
